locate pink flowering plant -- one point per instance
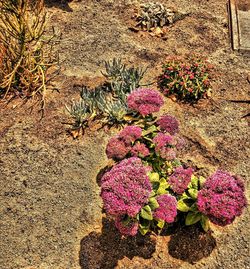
(149, 189)
(186, 79)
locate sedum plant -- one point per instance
(187, 79)
(149, 189)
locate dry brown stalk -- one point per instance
(25, 51)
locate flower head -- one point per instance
(180, 179)
(167, 209)
(140, 150)
(164, 144)
(126, 227)
(222, 198)
(117, 149)
(130, 133)
(125, 189)
(145, 101)
(119, 146)
(169, 124)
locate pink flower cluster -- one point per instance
(139, 150)
(130, 133)
(130, 228)
(145, 101)
(180, 179)
(222, 198)
(116, 149)
(125, 189)
(119, 146)
(164, 145)
(167, 209)
(169, 124)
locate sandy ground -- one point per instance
(51, 212)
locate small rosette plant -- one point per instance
(186, 79)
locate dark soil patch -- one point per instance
(104, 250)
(191, 244)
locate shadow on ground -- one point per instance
(191, 244)
(62, 4)
(104, 250)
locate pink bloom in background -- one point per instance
(180, 142)
(124, 228)
(117, 149)
(222, 198)
(140, 150)
(169, 124)
(164, 144)
(180, 179)
(125, 189)
(167, 209)
(130, 133)
(168, 154)
(145, 101)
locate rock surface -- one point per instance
(51, 212)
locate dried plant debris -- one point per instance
(26, 53)
(107, 103)
(155, 15)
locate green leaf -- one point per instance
(193, 193)
(143, 230)
(153, 203)
(194, 208)
(194, 182)
(192, 218)
(202, 180)
(160, 223)
(153, 193)
(151, 129)
(163, 183)
(154, 177)
(205, 223)
(146, 212)
(182, 206)
(161, 191)
(184, 196)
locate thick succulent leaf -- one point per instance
(153, 203)
(193, 193)
(192, 218)
(205, 223)
(146, 213)
(182, 206)
(160, 223)
(154, 177)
